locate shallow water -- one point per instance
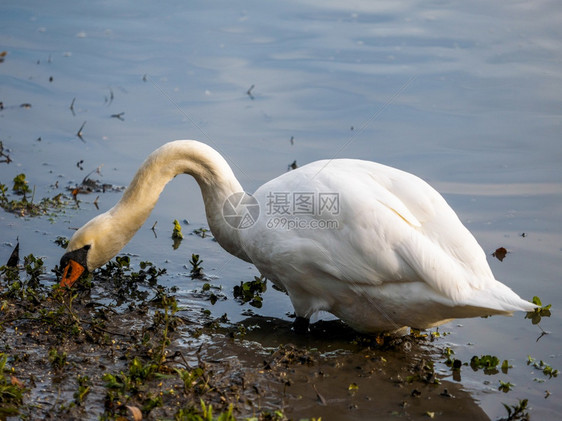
(467, 96)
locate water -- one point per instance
(467, 96)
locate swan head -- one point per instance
(92, 246)
(74, 264)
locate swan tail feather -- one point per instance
(500, 298)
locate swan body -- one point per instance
(374, 245)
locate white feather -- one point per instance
(397, 256)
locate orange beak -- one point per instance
(71, 273)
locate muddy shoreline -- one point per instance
(121, 347)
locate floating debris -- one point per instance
(4, 155)
(14, 257)
(118, 116)
(89, 185)
(79, 133)
(500, 253)
(109, 100)
(249, 92)
(292, 166)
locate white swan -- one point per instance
(375, 246)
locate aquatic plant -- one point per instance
(11, 391)
(454, 363)
(505, 386)
(84, 387)
(177, 235)
(488, 363)
(540, 312)
(517, 412)
(25, 207)
(541, 365)
(204, 413)
(250, 292)
(202, 232)
(196, 269)
(57, 359)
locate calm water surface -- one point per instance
(465, 95)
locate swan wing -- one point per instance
(391, 227)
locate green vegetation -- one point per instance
(84, 387)
(202, 232)
(204, 413)
(129, 324)
(541, 365)
(57, 359)
(26, 206)
(20, 185)
(177, 235)
(517, 412)
(250, 292)
(540, 312)
(488, 363)
(454, 363)
(505, 386)
(196, 269)
(11, 391)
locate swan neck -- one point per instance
(212, 173)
